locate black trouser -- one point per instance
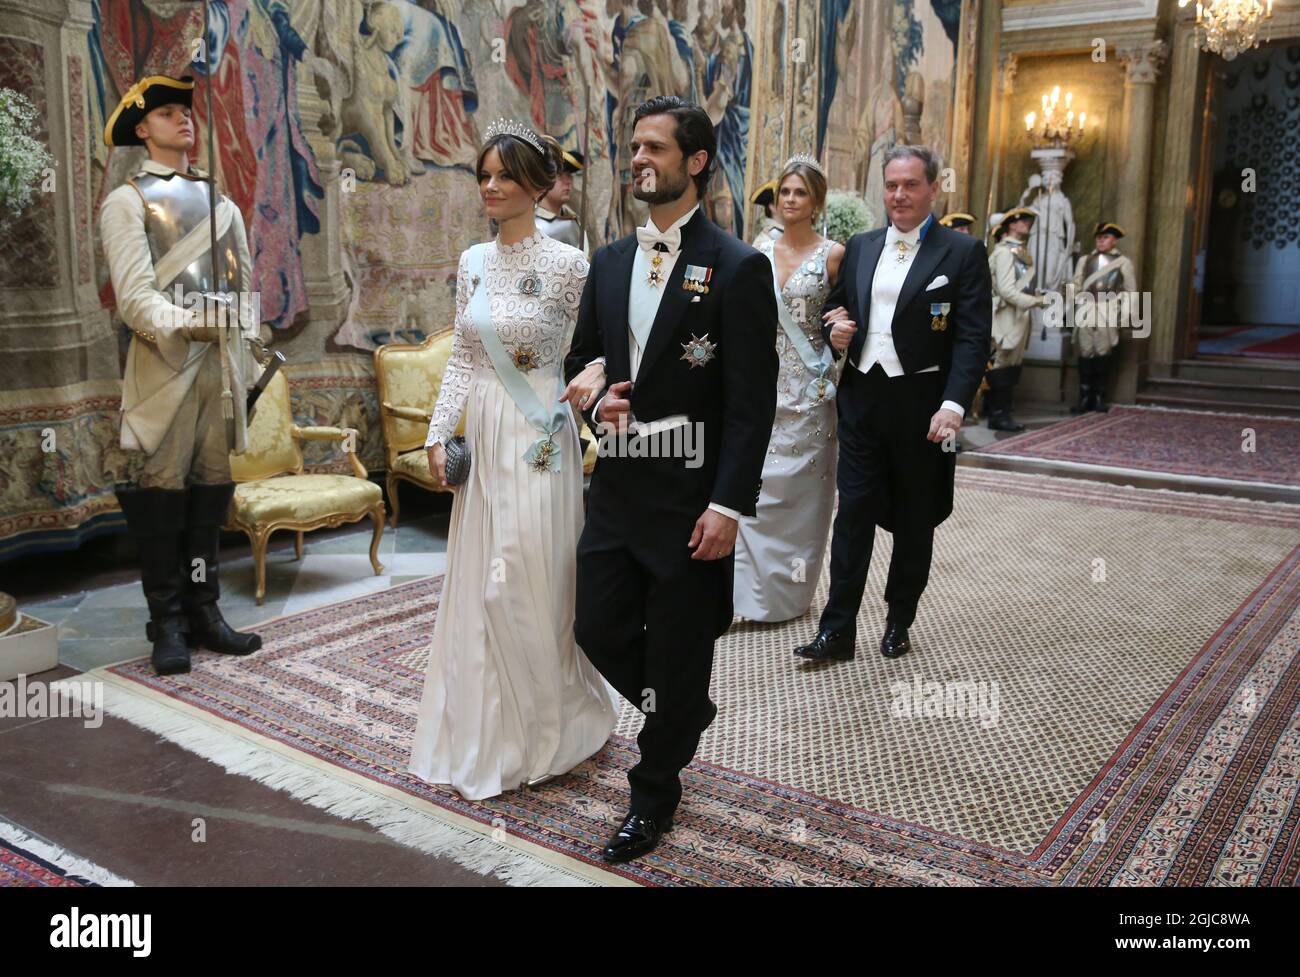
(889, 474)
(647, 616)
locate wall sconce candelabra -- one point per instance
(1058, 123)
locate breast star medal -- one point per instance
(699, 350)
(939, 316)
(524, 356)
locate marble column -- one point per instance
(1142, 63)
(959, 154)
(1007, 65)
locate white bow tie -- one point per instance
(648, 237)
(911, 238)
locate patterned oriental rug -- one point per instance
(1185, 442)
(32, 863)
(1103, 690)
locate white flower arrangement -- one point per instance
(846, 214)
(22, 157)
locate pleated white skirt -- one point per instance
(509, 697)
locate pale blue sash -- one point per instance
(543, 454)
(821, 389)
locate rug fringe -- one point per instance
(402, 824)
(73, 865)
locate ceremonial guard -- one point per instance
(1109, 276)
(553, 216)
(958, 221)
(765, 197)
(1012, 270)
(188, 367)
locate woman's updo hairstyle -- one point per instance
(534, 170)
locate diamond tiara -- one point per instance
(806, 160)
(509, 127)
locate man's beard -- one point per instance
(666, 189)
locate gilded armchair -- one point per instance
(271, 491)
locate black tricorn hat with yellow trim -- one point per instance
(1108, 227)
(957, 220)
(1014, 214)
(765, 194)
(573, 161)
(140, 99)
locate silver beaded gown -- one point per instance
(779, 552)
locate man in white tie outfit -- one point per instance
(911, 312)
(684, 317)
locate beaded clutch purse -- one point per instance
(457, 460)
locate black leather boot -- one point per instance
(208, 505)
(1101, 369)
(1085, 386)
(1002, 384)
(155, 518)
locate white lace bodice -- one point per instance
(533, 291)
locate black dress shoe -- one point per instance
(828, 646)
(637, 836)
(895, 641)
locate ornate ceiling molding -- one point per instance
(1076, 13)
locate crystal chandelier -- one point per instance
(1058, 123)
(1229, 27)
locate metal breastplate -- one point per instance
(1107, 281)
(1022, 263)
(173, 208)
(1021, 260)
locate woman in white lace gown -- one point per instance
(779, 552)
(509, 698)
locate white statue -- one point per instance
(1051, 240)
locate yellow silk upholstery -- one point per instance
(414, 465)
(271, 448)
(267, 499)
(408, 378)
(303, 498)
